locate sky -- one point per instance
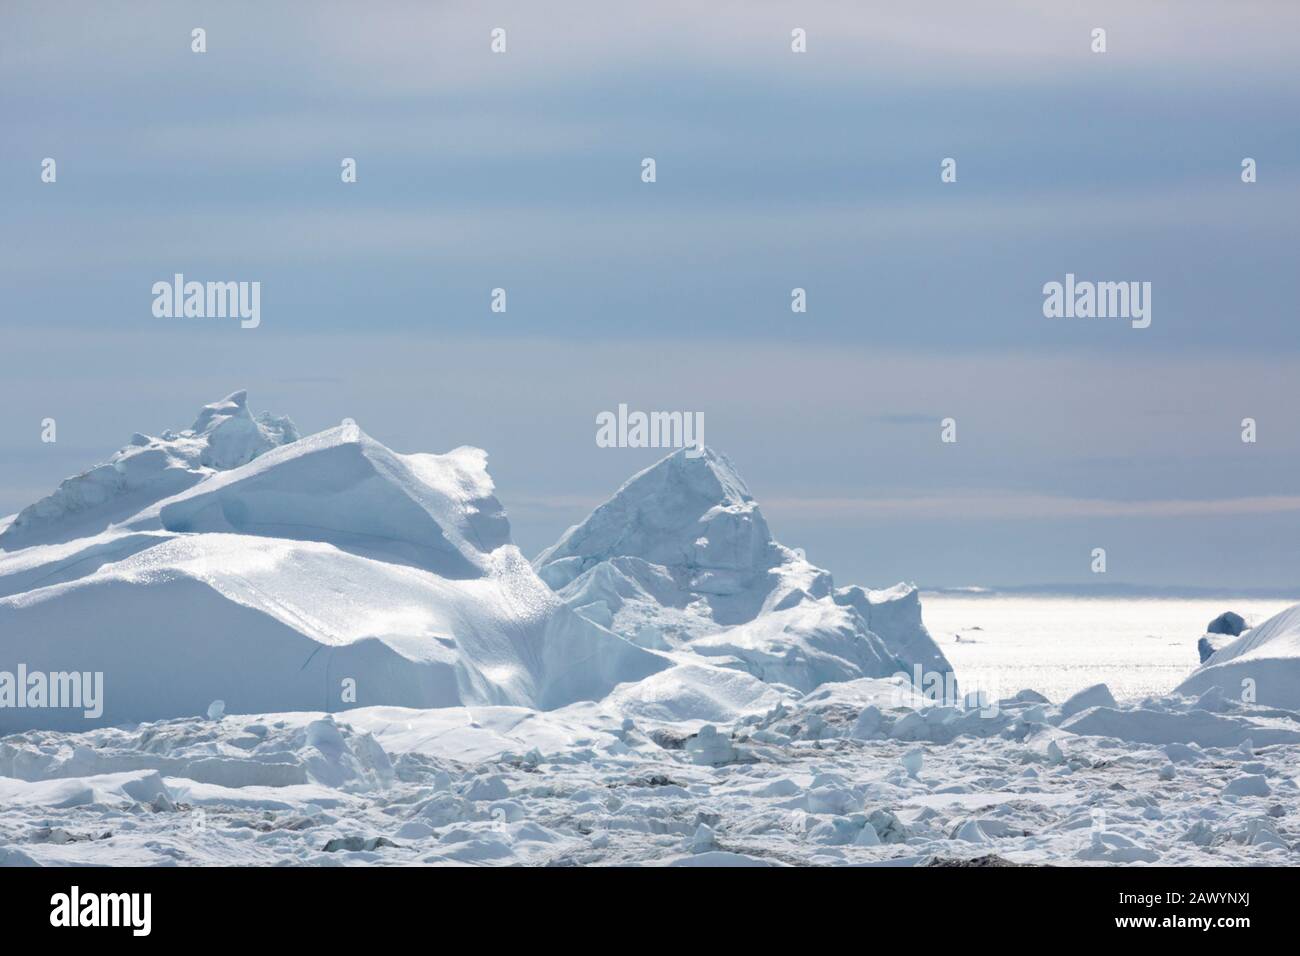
(775, 170)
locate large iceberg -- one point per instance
(239, 562)
(235, 561)
(681, 559)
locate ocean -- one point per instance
(1059, 644)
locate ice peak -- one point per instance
(706, 473)
(234, 405)
(691, 509)
(234, 436)
(681, 556)
(147, 469)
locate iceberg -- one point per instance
(225, 435)
(681, 559)
(1262, 665)
(236, 561)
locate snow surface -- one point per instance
(666, 686)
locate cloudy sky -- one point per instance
(775, 170)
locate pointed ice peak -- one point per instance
(682, 556)
(690, 512)
(234, 405)
(234, 436)
(705, 472)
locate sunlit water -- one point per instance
(1060, 644)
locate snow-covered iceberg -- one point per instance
(236, 561)
(1261, 665)
(681, 559)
